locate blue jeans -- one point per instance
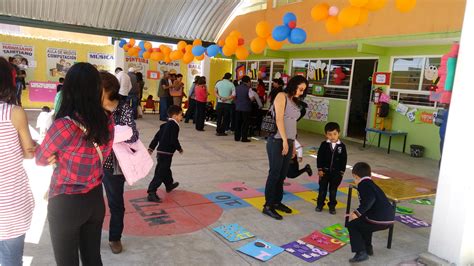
(164, 104)
(133, 100)
(114, 185)
(11, 251)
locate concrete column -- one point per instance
(119, 56)
(452, 232)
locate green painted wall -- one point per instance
(337, 113)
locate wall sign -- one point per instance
(381, 78)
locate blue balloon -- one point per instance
(198, 50)
(289, 17)
(142, 45)
(212, 50)
(140, 54)
(220, 51)
(122, 43)
(297, 36)
(280, 33)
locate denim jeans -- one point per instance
(164, 104)
(114, 185)
(278, 170)
(133, 101)
(191, 112)
(11, 251)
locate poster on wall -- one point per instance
(173, 67)
(20, 55)
(102, 61)
(139, 64)
(42, 91)
(240, 72)
(194, 69)
(318, 108)
(58, 62)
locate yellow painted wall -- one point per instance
(218, 68)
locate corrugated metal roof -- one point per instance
(179, 19)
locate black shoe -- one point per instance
(173, 186)
(245, 140)
(200, 129)
(332, 211)
(221, 134)
(318, 209)
(369, 250)
(186, 121)
(237, 139)
(153, 197)
(272, 213)
(282, 207)
(309, 170)
(360, 256)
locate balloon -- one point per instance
(122, 43)
(176, 55)
(241, 53)
(297, 36)
(156, 50)
(274, 45)
(405, 5)
(188, 58)
(181, 45)
(221, 43)
(156, 56)
(280, 33)
(333, 11)
(292, 24)
(131, 52)
(263, 29)
(166, 50)
(146, 55)
(188, 48)
(198, 50)
(349, 16)
(212, 50)
(140, 54)
(231, 42)
(148, 45)
(289, 17)
(374, 5)
(359, 3)
(197, 42)
(364, 16)
(200, 58)
(258, 45)
(150, 50)
(236, 34)
(333, 25)
(141, 44)
(131, 41)
(241, 41)
(227, 50)
(320, 12)
(126, 47)
(167, 59)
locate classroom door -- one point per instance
(360, 97)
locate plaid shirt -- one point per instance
(78, 169)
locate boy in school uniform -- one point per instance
(167, 140)
(331, 163)
(375, 213)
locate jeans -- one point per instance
(114, 185)
(360, 233)
(11, 251)
(132, 99)
(231, 126)
(278, 170)
(223, 111)
(241, 125)
(164, 104)
(191, 112)
(163, 174)
(200, 115)
(19, 90)
(331, 181)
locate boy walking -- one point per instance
(331, 163)
(375, 213)
(167, 140)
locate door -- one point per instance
(360, 97)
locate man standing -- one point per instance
(243, 107)
(164, 95)
(125, 83)
(225, 93)
(133, 94)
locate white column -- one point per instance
(119, 56)
(452, 232)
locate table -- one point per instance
(398, 190)
(388, 133)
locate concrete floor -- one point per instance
(209, 161)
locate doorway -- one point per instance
(360, 97)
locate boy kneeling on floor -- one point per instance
(375, 213)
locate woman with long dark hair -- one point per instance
(80, 138)
(280, 147)
(200, 90)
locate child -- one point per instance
(44, 121)
(167, 140)
(150, 103)
(331, 162)
(375, 213)
(294, 168)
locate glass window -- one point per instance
(252, 69)
(430, 74)
(406, 73)
(318, 72)
(278, 69)
(340, 72)
(299, 67)
(264, 70)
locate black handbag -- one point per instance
(269, 123)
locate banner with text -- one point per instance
(22, 56)
(101, 61)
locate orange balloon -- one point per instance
(188, 48)
(228, 51)
(359, 3)
(257, 46)
(221, 43)
(197, 42)
(274, 45)
(131, 52)
(156, 56)
(231, 42)
(374, 5)
(148, 45)
(263, 29)
(126, 47)
(188, 57)
(405, 5)
(131, 41)
(146, 55)
(181, 45)
(364, 16)
(236, 34)
(320, 12)
(176, 55)
(167, 59)
(200, 58)
(241, 53)
(349, 16)
(333, 25)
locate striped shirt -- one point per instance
(16, 199)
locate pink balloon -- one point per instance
(333, 11)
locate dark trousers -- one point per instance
(360, 233)
(162, 173)
(164, 104)
(133, 101)
(200, 115)
(223, 111)
(278, 170)
(241, 125)
(114, 185)
(191, 112)
(75, 224)
(329, 181)
(232, 118)
(294, 168)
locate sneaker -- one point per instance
(359, 256)
(332, 211)
(318, 209)
(272, 213)
(282, 207)
(173, 186)
(115, 246)
(153, 197)
(309, 170)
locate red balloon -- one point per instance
(241, 41)
(150, 50)
(292, 24)
(183, 50)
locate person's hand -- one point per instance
(352, 216)
(294, 151)
(300, 159)
(181, 151)
(52, 160)
(150, 151)
(320, 173)
(284, 151)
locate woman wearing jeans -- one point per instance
(280, 147)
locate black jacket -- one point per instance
(332, 161)
(167, 138)
(374, 206)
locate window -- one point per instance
(278, 3)
(264, 70)
(299, 67)
(278, 67)
(340, 72)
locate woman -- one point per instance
(176, 91)
(191, 112)
(261, 90)
(200, 92)
(114, 183)
(280, 147)
(16, 200)
(80, 138)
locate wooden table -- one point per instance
(390, 134)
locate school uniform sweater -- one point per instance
(374, 206)
(332, 160)
(167, 138)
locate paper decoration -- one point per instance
(381, 78)
(233, 232)
(411, 221)
(153, 75)
(411, 115)
(384, 98)
(422, 202)
(261, 250)
(318, 109)
(446, 97)
(323, 241)
(402, 109)
(240, 72)
(435, 96)
(337, 231)
(305, 251)
(59, 61)
(318, 90)
(426, 117)
(404, 210)
(42, 91)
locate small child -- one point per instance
(375, 213)
(44, 121)
(294, 169)
(331, 162)
(167, 140)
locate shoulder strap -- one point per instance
(96, 146)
